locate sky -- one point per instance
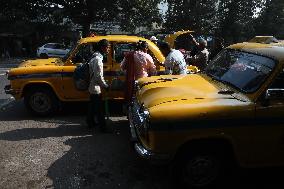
(163, 7)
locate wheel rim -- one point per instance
(40, 102)
(201, 171)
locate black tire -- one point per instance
(200, 169)
(41, 101)
(43, 55)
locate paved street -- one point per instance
(60, 152)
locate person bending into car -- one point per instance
(201, 56)
(96, 105)
(137, 64)
(175, 63)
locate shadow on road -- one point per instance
(105, 161)
(98, 160)
(16, 111)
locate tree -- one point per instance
(271, 19)
(137, 13)
(235, 18)
(198, 15)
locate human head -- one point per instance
(154, 39)
(103, 46)
(142, 45)
(165, 48)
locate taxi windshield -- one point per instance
(69, 52)
(241, 70)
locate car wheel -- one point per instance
(41, 101)
(43, 55)
(199, 169)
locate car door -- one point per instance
(268, 137)
(59, 50)
(48, 49)
(117, 81)
(82, 55)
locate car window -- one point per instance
(51, 46)
(120, 49)
(83, 54)
(58, 46)
(242, 70)
(278, 83)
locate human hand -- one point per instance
(107, 88)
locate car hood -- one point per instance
(41, 62)
(177, 98)
(157, 91)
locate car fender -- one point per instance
(38, 84)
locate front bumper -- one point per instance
(9, 90)
(143, 152)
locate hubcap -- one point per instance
(40, 102)
(201, 171)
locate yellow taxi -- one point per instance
(171, 39)
(232, 113)
(44, 83)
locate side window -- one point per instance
(278, 83)
(51, 46)
(120, 49)
(59, 46)
(276, 89)
(83, 54)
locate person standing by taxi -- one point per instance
(137, 64)
(175, 63)
(97, 82)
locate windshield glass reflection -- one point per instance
(241, 70)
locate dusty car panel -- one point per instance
(234, 111)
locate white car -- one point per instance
(52, 50)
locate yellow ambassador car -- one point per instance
(44, 83)
(232, 113)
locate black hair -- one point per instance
(141, 45)
(164, 46)
(101, 44)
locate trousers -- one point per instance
(96, 109)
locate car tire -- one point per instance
(41, 101)
(43, 55)
(200, 169)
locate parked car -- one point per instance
(52, 50)
(204, 123)
(43, 83)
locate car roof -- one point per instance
(117, 38)
(272, 50)
(125, 38)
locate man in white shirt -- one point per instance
(96, 105)
(175, 63)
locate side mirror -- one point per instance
(274, 94)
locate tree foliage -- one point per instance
(271, 19)
(137, 13)
(229, 19)
(198, 15)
